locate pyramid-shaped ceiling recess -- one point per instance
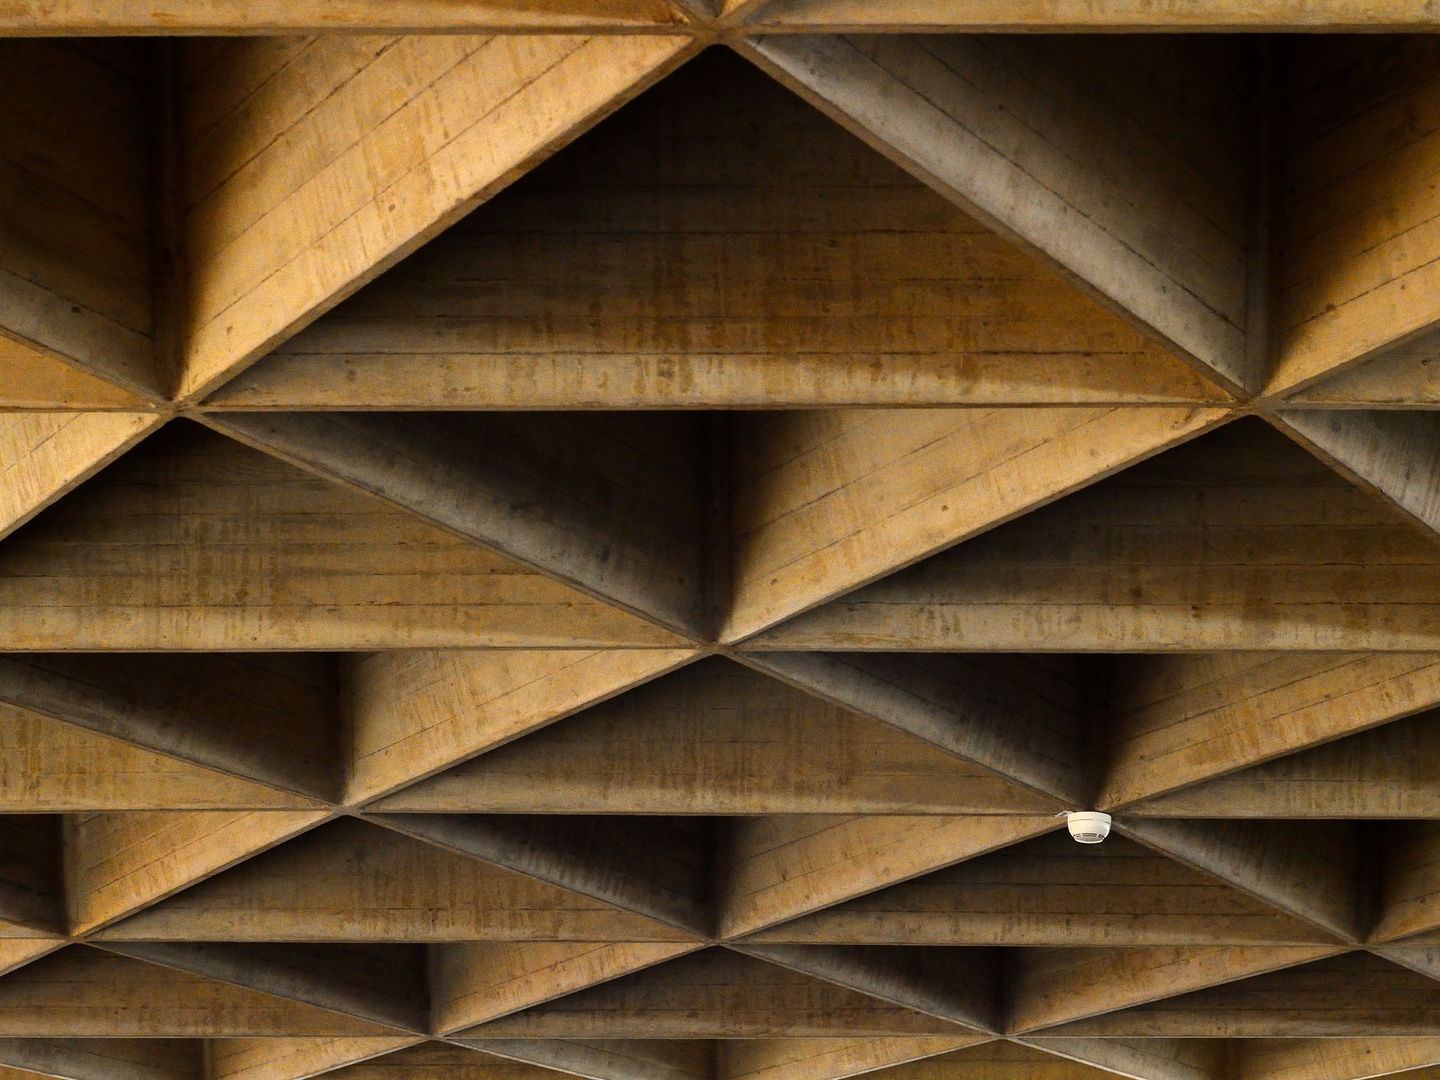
(1239, 540)
(718, 738)
(717, 243)
(1048, 891)
(392, 886)
(197, 542)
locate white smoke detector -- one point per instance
(1088, 826)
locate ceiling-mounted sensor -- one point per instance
(1088, 826)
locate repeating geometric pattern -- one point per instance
(555, 548)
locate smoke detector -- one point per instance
(1088, 826)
